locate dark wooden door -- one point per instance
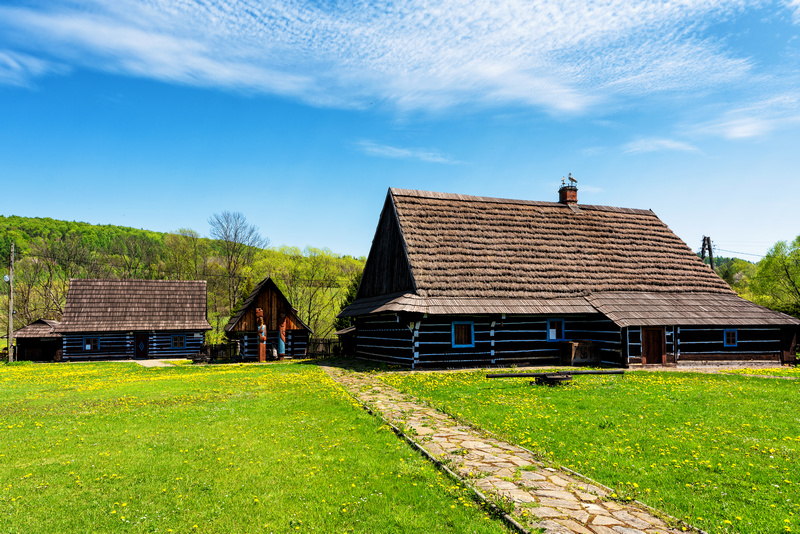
(654, 345)
(140, 346)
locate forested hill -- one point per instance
(23, 230)
(49, 252)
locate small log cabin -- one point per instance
(455, 280)
(140, 319)
(277, 312)
(38, 342)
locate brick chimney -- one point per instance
(568, 194)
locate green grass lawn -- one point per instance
(720, 451)
(114, 447)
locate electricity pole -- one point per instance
(11, 306)
(707, 247)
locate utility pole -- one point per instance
(11, 306)
(707, 246)
(710, 254)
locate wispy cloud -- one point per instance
(19, 69)
(562, 57)
(420, 154)
(794, 6)
(756, 119)
(654, 144)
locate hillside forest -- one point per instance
(316, 281)
(49, 252)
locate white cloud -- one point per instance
(421, 154)
(20, 69)
(654, 144)
(794, 6)
(755, 120)
(563, 57)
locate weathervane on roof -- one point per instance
(568, 193)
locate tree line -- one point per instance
(773, 282)
(50, 252)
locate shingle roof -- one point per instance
(462, 246)
(128, 305)
(628, 308)
(38, 329)
(474, 255)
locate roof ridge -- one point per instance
(497, 200)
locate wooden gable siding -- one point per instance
(514, 339)
(273, 307)
(269, 298)
(119, 345)
(387, 269)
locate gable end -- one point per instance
(387, 269)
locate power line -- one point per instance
(735, 252)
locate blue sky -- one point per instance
(156, 113)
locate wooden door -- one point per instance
(140, 346)
(654, 345)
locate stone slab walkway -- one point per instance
(543, 497)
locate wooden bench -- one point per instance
(555, 378)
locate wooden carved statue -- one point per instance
(282, 337)
(262, 335)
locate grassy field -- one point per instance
(114, 447)
(720, 451)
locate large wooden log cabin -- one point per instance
(141, 319)
(455, 280)
(278, 314)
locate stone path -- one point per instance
(152, 363)
(542, 497)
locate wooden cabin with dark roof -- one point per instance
(278, 316)
(38, 342)
(455, 280)
(141, 319)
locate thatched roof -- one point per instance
(451, 254)
(129, 305)
(43, 328)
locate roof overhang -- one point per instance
(624, 308)
(411, 303)
(638, 308)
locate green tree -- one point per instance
(352, 290)
(776, 283)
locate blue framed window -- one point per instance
(91, 344)
(463, 334)
(178, 342)
(731, 338)
(555, 329)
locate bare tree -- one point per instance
(239, 242)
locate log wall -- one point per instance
(119, 345)
(384, 338)
(690, 343)
(420, 342)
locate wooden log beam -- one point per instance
(565, 373)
